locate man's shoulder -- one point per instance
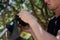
(52, 19)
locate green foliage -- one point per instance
(1, 23)
(1, 7)
(21, 1)
(39, 3)
(0, 1)
(25, 35)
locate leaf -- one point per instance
(25, 35)
(1, 7)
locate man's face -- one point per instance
(52, 4)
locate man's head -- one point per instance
(52, 4)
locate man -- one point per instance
(39, 33)
(53, 25)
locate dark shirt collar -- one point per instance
(58, 18)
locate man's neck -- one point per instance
(57, 12)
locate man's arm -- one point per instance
(39, 33)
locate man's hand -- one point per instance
(26, 29)
(26, 16)
(58, 35)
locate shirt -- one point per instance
(54, 26)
